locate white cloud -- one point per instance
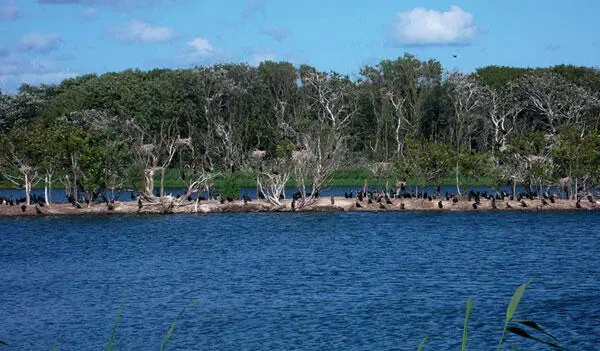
(39, 42)
(258, 57)
(9, 11)
(196, 51)
(429, 27)
(140, 31)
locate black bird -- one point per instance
(440, 204)
(590, 198)
(333, 200)
(552, 199)
(370, 201)
(455, 199)
(23, 208)
(402, 206)
(140, 204)
(38, 211)
(388, 201)
(474, 205)
(578, 204)
(523, 203)
(429, 198)
(294, 204)
(358, 205)
(381, 206)
(345, 194)
(229, 198)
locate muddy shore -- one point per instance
(340, 204)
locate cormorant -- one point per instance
(440, 204)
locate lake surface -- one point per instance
(341, 281)
(58, 195)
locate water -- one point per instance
(343, 281)
(58, 195)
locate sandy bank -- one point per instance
(322, 205)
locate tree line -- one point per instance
(403, 119)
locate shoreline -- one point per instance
(341, 204)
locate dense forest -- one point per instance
(402, 119)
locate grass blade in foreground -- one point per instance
(534, 325)
(170, 331)
(422, 343)
(522, 333)
(512, 308)
(110, 346)
(466, 326)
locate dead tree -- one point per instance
(466, 97)
(156, 155)
(502, 107)
(322, 146)
(11, 160)
(557, 100)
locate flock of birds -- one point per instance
(383, 198)
(379, 198)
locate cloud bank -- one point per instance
(39, 42)
(142, 32)
(9, 11)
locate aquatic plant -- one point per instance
(523, 328)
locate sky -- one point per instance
(46, 41)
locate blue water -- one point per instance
(58, 195)
(357, 281)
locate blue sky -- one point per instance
(49, 40)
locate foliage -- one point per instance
(406, 112)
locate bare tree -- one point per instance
(272, 180)
(502, 107)
(12, 159)
(322, 145)
(466, 97)
(557, 100)
(321, 155)
(156, 154)
(195, 170)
